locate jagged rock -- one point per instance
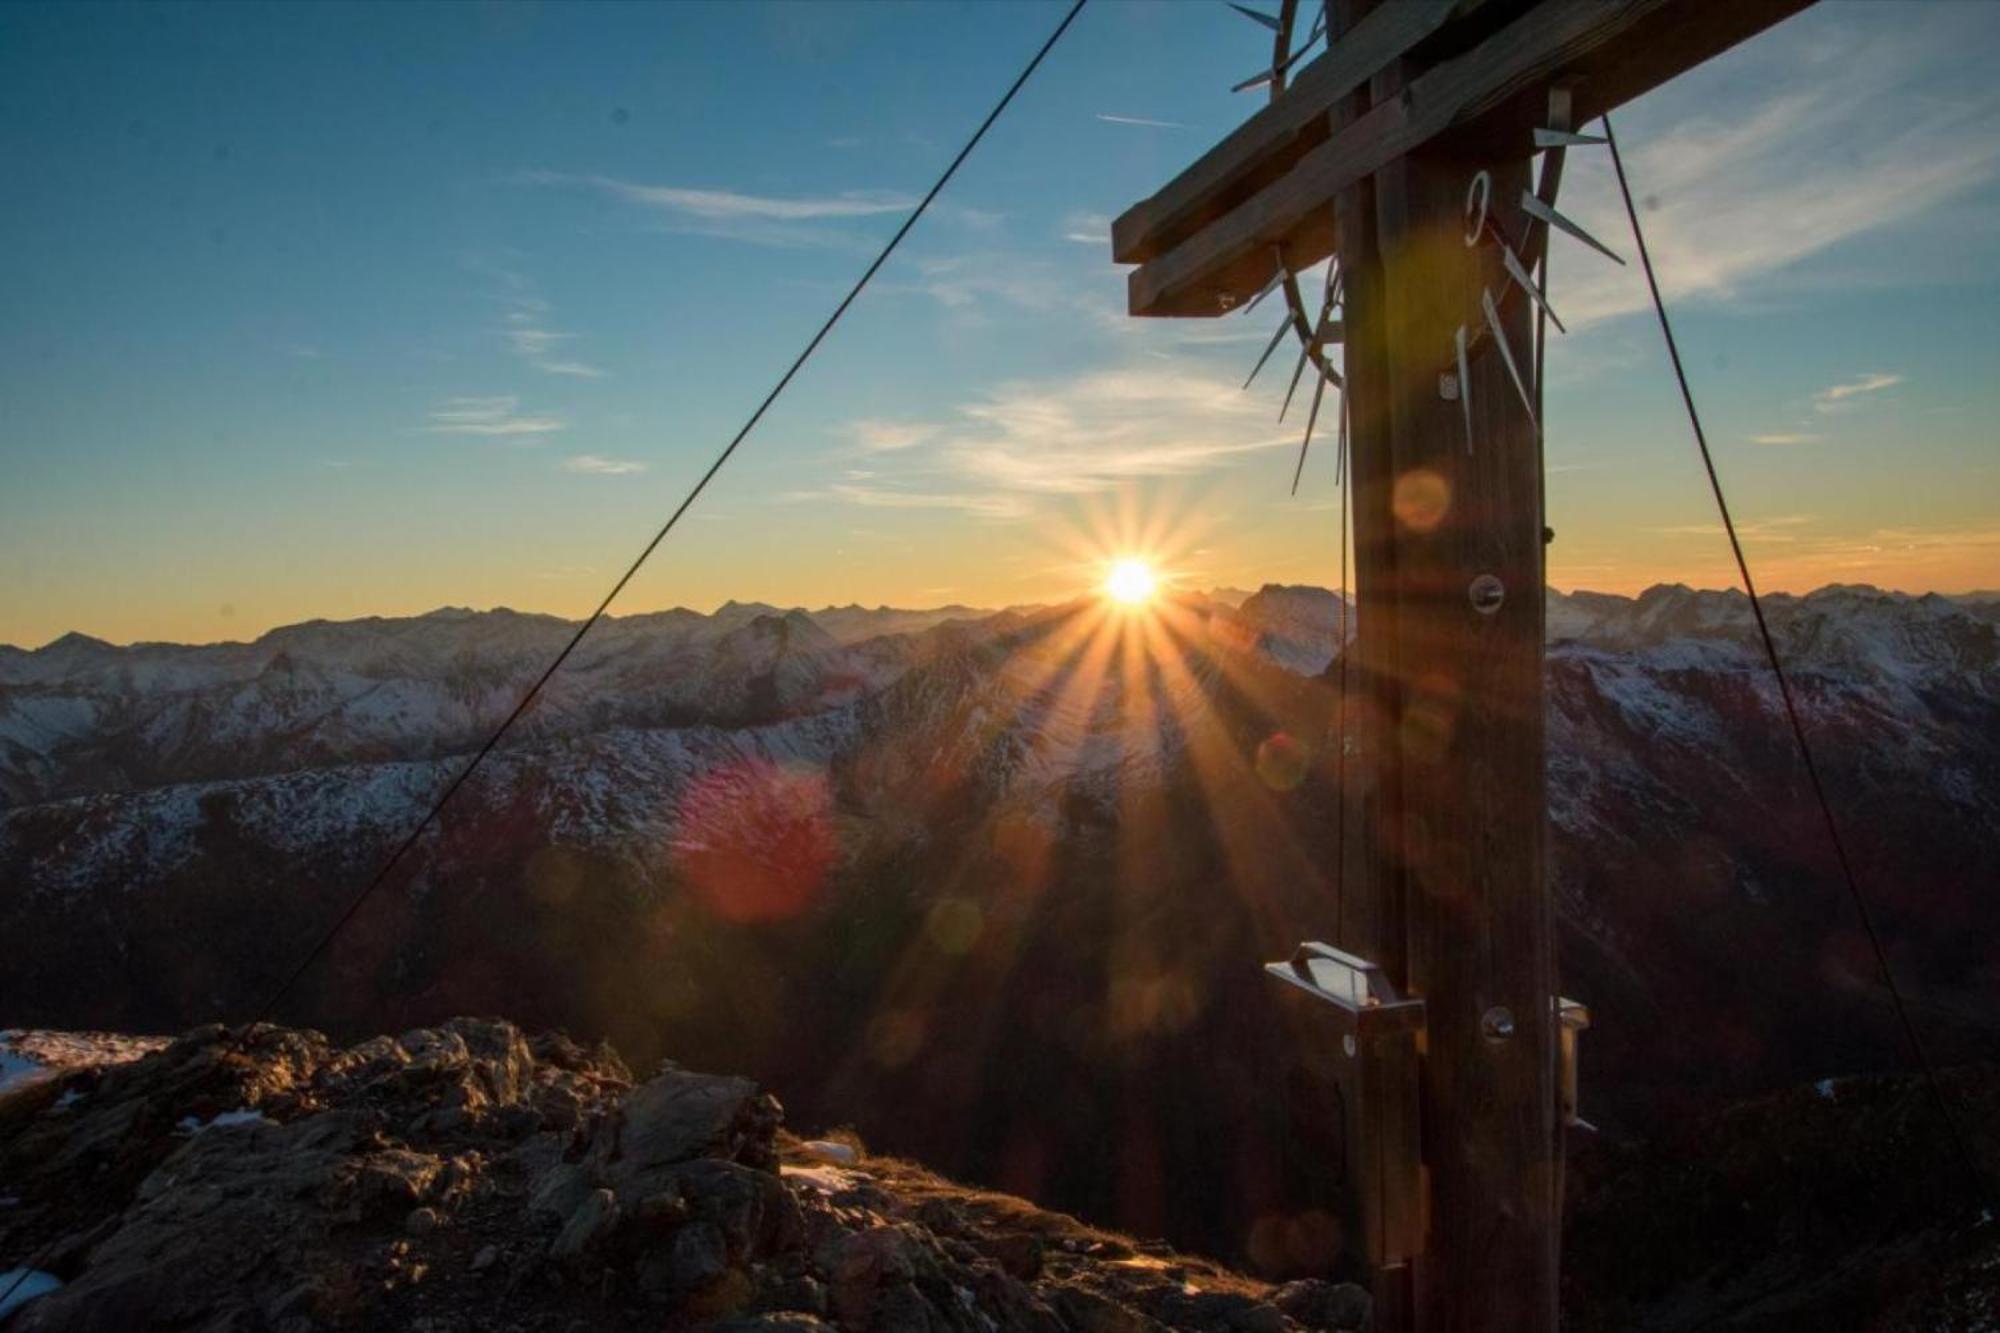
(1323, 1305)
(677, 1117)
(789, 1321)
(588, 1227)
(559, 1190)
(1019, 1254)
(390, 1184)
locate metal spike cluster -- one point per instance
(1316, 336)
(1538, 205)
(1265, 77)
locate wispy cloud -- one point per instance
(1849, 134)
(726, 205)
(598, 465)
(526, 326)
(1149, 123)
(879, 437)
(1832, 398)
(964, 283)
(1779, 528)
(896, 497)
(1786, 437)
(494, 416)
(995, 455)
(786, 221)
(1087, 229)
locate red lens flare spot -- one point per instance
(753, 841)
(1281, 762)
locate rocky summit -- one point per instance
(469, 1176)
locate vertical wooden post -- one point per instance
(1446, 885)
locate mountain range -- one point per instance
(993, 886)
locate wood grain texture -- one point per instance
(1266, 145)
(1470, 745)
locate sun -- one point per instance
(1131, 582)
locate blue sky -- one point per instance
(333, 311)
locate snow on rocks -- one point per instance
(18, 1286)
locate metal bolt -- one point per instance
(1347, 1044)
(1497, 1023)
(1448, 386)
(1486, 593)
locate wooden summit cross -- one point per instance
(1404, 152)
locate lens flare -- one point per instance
(1131, 582)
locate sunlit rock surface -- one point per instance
(470, 1177)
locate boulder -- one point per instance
(678, 1117)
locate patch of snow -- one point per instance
(23, 1285)
(825, 1179)
(18, 1071)
(241, 1116)
(830, 1150)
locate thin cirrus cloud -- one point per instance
(871, 436)
(731, 214)
(1786, 437)
(1088, 229)
(1837, 397)
(1143, 121)
(1852, 139)
(599, 466)
(526, 330)
(495, 416)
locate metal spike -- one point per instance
(1519, 272)
(1319, 391)
(1263, 77)
(1535, 208)
(1268, 20)
(1272, 285)
(1464, 385)
(1305, 354)
(1506, 352)
(1276, 338)
(1564, 139)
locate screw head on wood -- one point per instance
(1497, 1023)
(1448, 386)
(1348, 1045)
(1486, 592)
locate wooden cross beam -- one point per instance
(1204, 243)
(1405, 151)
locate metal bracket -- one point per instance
(1381, 1033)
(1364, 999)
(1572, 1017)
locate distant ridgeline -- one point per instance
(982, 884)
